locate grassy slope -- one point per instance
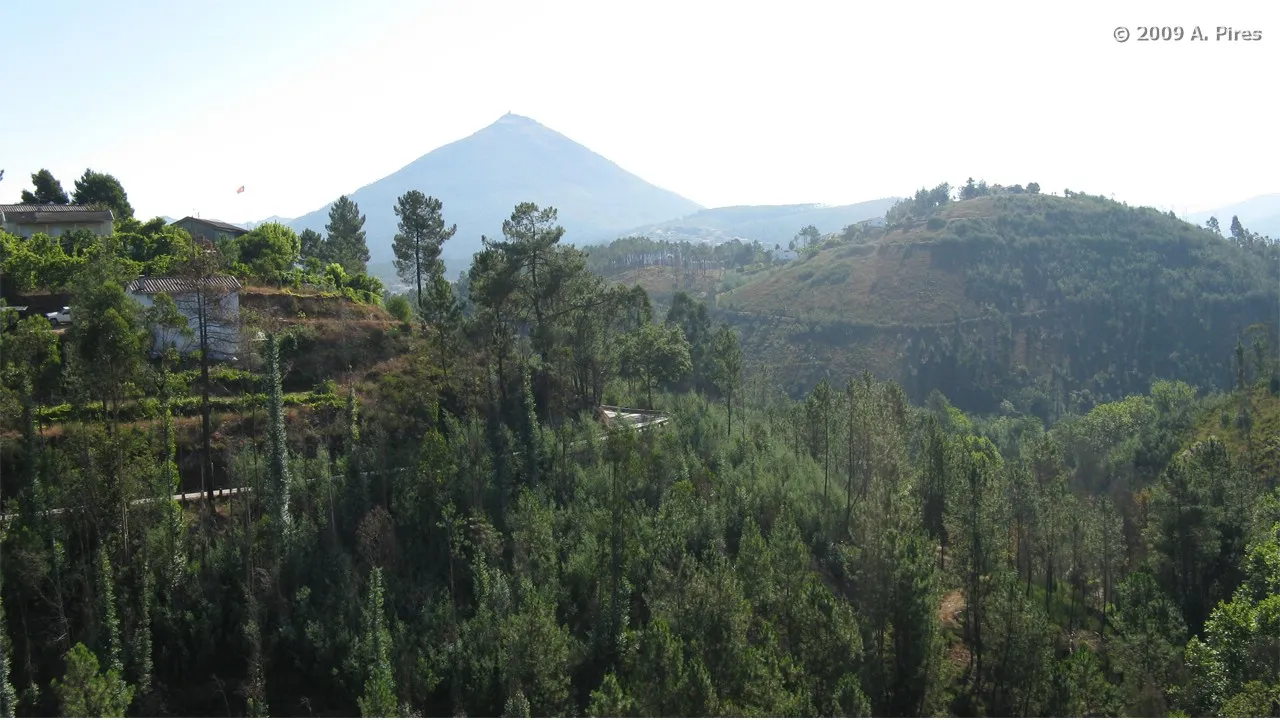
(662, 282)
(901, 278)
(871, 284)
(851, 307)
(1265, 433)
(882, 293)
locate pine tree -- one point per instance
(357, 486)
(440, 310)
(726, 355)
(977, 513)
(379, 698)
(85, 692)
(141, 645)
(517, 706)
(417, 245)
(101, 189)
(110, 627)
(116, 693)
(48, 190)
(1238, 232)
(278, 477)
(8, 698)
(313, 245)
(934, 485)
(255, 685)
(169, 486)
(346, 244)
(167, 480)
(528, 247)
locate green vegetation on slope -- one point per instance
(464, 537)
(1044, 300)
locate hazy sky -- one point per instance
(723, 102)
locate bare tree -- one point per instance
(210, 302)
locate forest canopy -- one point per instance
(442, 521)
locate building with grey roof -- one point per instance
(27, 220)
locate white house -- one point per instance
(219, 296)
(54, 220)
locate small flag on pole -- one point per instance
(240, 190)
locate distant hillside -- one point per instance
(1052, 303)
(1260, 214)
(251, 224)
(769, 224)
(481, 178)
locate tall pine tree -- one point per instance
(48, 190)
(102, 189)
(417, 245)
(312, 245)
(8, 698)
(346, 244)
(277, 443)
(379, 698)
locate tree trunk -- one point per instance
(729, 397)
(206, 430)
(206, 422)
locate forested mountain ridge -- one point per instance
(449, 530)
(1047, 301)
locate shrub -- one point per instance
(398, 306)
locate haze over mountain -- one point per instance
(481, 178)
(251, 224)
(769, 224)
(1260, 214)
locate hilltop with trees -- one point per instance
(1050, 302)
(442, 526)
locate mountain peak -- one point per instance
(512, 119)
(480, 178)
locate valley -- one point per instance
(588, 360)
(992, 452)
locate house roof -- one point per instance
(177, 285)
(49, 214)
(215, 224)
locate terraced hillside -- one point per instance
(328, 343)
(1049, 302)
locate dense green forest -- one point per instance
(458, 532)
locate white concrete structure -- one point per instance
(218, 296)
